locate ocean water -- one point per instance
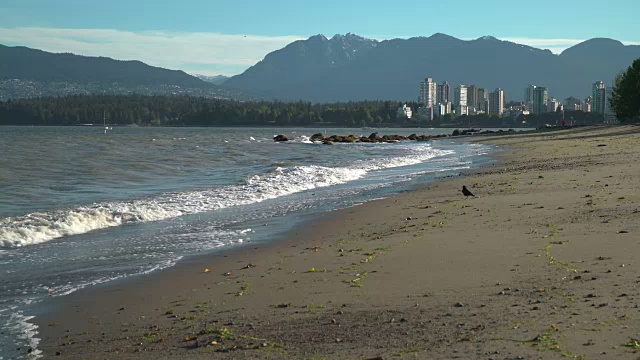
(79, 207)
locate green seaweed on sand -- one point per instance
(547, 342)
(244, 288)
(313, 308)
(221, 334)
(357, 281)
(409, 350)
(632, 343)
(553, 261)
(150, 336)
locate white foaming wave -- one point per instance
(41, 227)
(70, 288)
(19, 326)
(206, 239)
(302, 139)
(418, 155)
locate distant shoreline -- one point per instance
(387, 126)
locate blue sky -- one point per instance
(213, 36)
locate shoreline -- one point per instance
(423, 273)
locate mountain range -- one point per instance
(351, 67)
(342, 68)
(214, 79)
(26, 72)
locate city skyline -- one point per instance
(473, 100)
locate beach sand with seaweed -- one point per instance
(540, 264)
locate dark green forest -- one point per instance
(190, 111)
(124, 110)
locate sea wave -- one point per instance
(25, 332)
(39, 227)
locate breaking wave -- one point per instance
(39, 227)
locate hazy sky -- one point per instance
(226, 37)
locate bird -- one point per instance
(466, 191)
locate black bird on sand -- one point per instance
(466, 191)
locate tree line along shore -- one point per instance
(141, 110)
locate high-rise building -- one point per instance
(588, 104)
(460, 99)
(496, 102)
(472, 99)
(553, 104)
(443, 92)
(609, 115)
(428, 93)
(483, 97)
(599, 97)
(528, 93)
(528, 96)
(572, 104)
(540, 95)
(443, 109)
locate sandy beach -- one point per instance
(540, 264)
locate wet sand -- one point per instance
(540, 264)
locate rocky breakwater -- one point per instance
(465, 132)
(373, 138)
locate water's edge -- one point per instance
(284, 234)
(279, 230)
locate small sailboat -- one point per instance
(104, 120)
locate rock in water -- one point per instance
(280, 138)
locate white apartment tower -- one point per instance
(443, 109)
(428, 93)
(460, 99)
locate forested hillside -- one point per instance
(199, 111)
(36, 65)
(190, 111)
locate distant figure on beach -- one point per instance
(466, 191)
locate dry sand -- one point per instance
(541, 264)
